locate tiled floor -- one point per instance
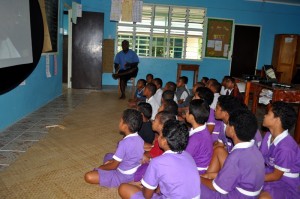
(15, 140)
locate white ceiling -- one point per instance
(287, 2)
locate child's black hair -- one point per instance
(244, 123)
(168, 95)
(176, 134)
(133, 118)
(184, 79)
(286, 113)
(172, 86)
(158, 81)
(164, 116)
(152, 88)
(143, 81)
(200, 110)
(206, 94)
(230, 103)
(205, 79)
(145, 108)
(229, 78)
(171, 106)
(215, 84)
(199, 84)
(149, 75)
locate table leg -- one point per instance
(247, 92)
(257, 90)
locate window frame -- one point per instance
(134, 26)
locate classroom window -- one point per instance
(165, 31)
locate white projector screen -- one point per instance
(15, 33)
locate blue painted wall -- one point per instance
(273, 19)
(38, 91)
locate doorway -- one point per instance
(245, 50)
(87, 51)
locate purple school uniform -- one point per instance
(129, 153)
(284, 155)
(213, 121)
(228, 142)
(176, 175)
(200, 147)
(223, 138)
(242, 175)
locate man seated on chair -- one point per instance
(126, 66)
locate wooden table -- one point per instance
(289, 95)
(188, 67)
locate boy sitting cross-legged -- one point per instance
(171, 175)
(242, 174)
(121, 166)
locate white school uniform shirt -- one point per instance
(158, 95)
(223, 91)
(215, 101)
(154, 104)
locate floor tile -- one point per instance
(8, 157)
(31, 136)
(18, 145)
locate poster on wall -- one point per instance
(218, 37)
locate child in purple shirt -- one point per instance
(225, 106)
(200, 141)
(121, 166)
(174, 172)
(281, 154)
(242, 175)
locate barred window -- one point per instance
(165, 31)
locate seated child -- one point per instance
(171, 175)
(223, 85)
(281, 154)
(242, 175)
(169, 106)
(182, 91)
(120, 167)
(167, 95)
(146, 131)
(207, 95)
(149, 92)
(139, 94)
(200, 141)
(232, 89)
(172, 87)
(225, 106)
(215, 87)
(152, 151)
(158, 83)
(149, 78)
(204, 80)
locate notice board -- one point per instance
(108, 55)
(218, 37)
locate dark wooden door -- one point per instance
(245, 47)
(65, 60)
(87, 51)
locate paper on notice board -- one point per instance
(115, 10)
(127, 10)
(225, 53)
(48, 74)
(137, 11)
(218, 45)
(210, 43)
(288, 40)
